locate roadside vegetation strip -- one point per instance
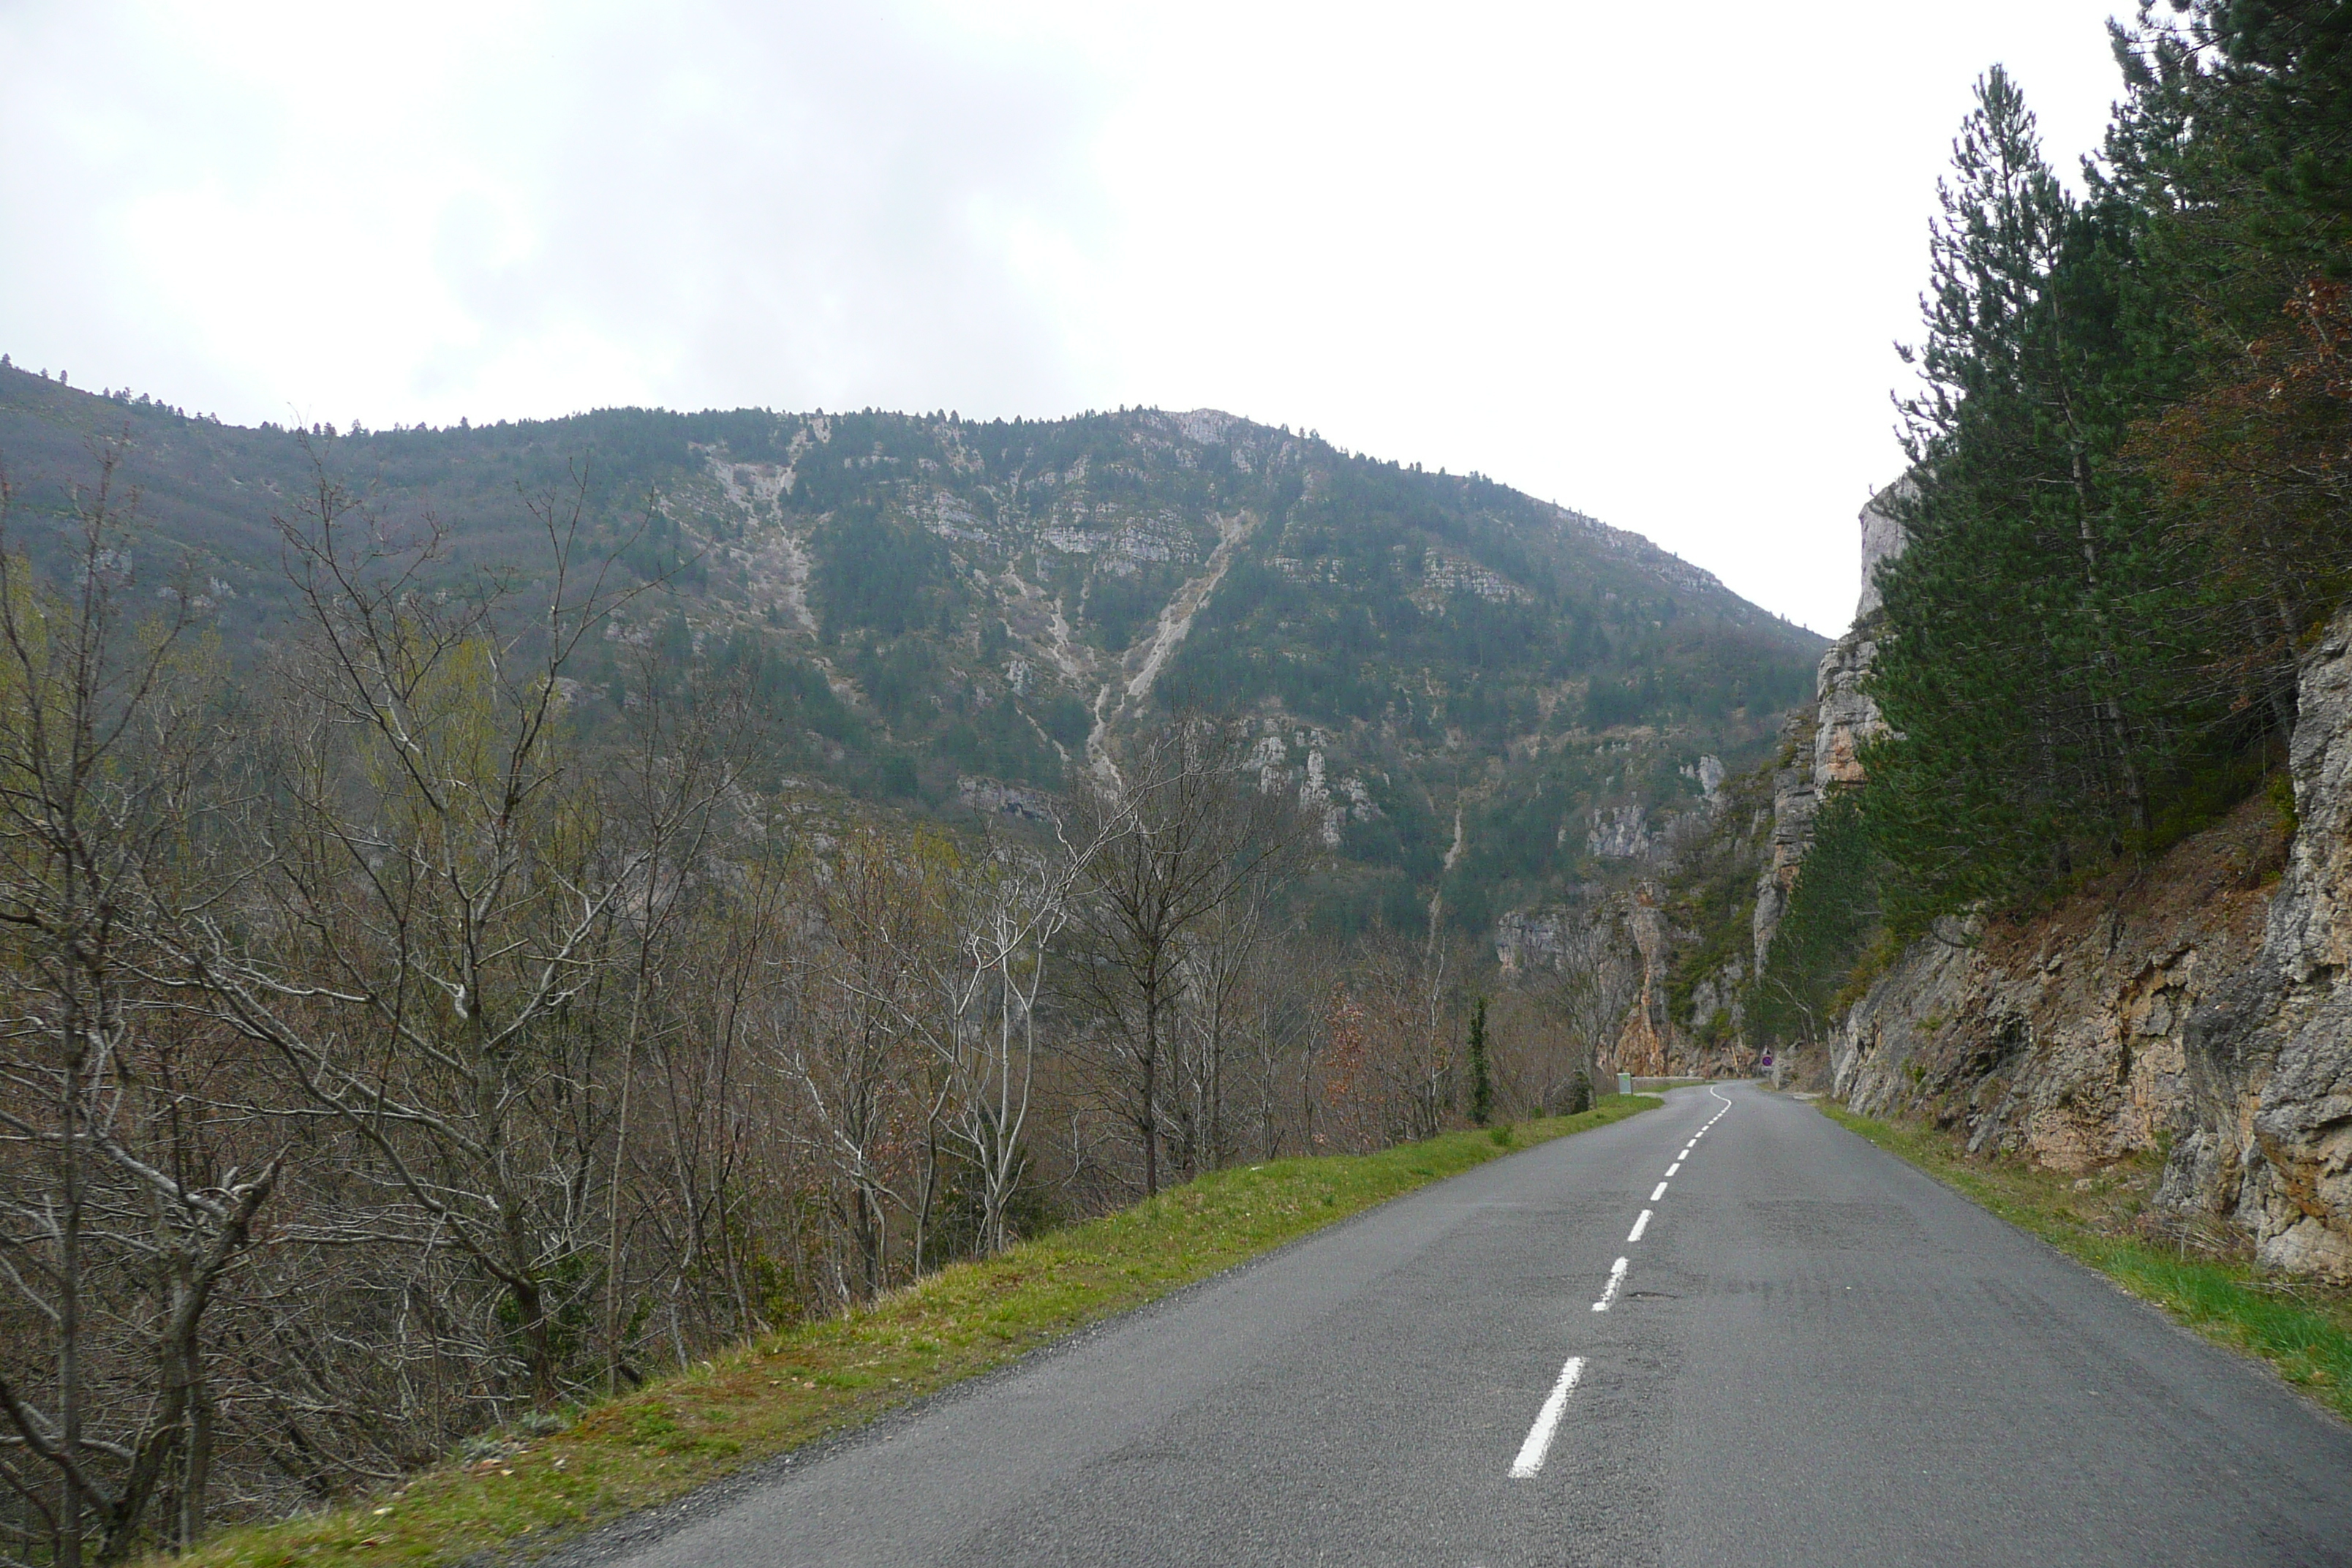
(2301, 1328)
(514, 1494)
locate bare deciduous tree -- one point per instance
(118, 1223)
(1183, 828)
(1565, 1014)
(439, 896)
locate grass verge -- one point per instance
(516, 1494)
(2302, 1329)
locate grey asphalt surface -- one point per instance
(1818, 1356)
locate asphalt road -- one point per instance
(1813, 1354)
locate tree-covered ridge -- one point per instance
(926, 600)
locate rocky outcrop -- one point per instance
(1881, 541)
(1794, 802)
(2063, 1037)
(1690, 1015)
(1846, 719)
(1643, 1045)
(1822, 744)
(1527, 940)
(994, 797)
(2269, 1054)
(1620, 833)
(1685, 928)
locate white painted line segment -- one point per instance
(1616, 1283)
(1538, 1443)
(1673, 1168)
(1659, 1193)
(1640, 1225)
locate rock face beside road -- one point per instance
(2207, 999)
(2065, 1038)
(2269, 1055)
(1821, 745)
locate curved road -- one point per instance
(1813, 1354)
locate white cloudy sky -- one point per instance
(1644, 259)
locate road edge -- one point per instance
(2272, 1323)
(494, 1523)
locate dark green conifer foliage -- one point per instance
(1482, 1078)
(2132, 457)
(1833, 918)
(2023, 622)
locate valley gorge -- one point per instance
(1606, 809)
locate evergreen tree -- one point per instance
(2133, 461)
(2018, 627)
(2235, 145)
(1482, 1078)
(1832, 918)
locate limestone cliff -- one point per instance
(1645, 1044)
(1688, 927)
(2062, 1037)
(1700, 927)
(2268, 1140)
(1821, 743)
(1794, 802)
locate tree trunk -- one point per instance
(69, 1302)
(195, 1477)
(1150, 1096)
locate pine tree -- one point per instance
(2133, 459)
(2019, 624)
(1834, 916)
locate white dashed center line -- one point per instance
(1616, 1283)
(1538, 1443)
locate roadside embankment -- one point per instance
(522, 1493)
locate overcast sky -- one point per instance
(1645, 260)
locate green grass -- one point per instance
(519, 1494)
(2302, 1329)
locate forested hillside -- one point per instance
(2132, 466)
(944, 615)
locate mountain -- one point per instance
(1487, 696)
